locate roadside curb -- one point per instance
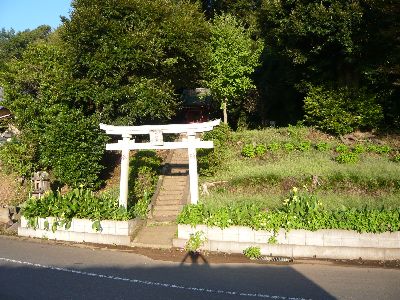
(297, 251)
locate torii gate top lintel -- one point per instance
(156, 142)
(168, 128)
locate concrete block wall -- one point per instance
(333, 244)
(112, 232)
(323, 237)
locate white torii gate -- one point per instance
(156, 142)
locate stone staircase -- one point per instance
(174, 190)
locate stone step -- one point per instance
(175, 180)
(171, 192)
(168, 203)
(164, 219)
(172, 183)
(170, 197)
(166, 197)
(179, 172)
(168, 214)
(160, 208)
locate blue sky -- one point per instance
(29, 14)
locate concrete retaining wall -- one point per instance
(112, 232)
(336, 244)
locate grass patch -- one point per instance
(372, 179)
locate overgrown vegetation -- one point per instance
(300, 211)
(83, 203)
(127, 61)
(79, 203)
(144, 170)
(116, 62)
(323, 163)
(341, 111)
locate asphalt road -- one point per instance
(34, 270)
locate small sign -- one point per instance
(156, 137)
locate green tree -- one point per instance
(233, 57)
(114, 61)
(13, 44)
(335, 44)
(247, 11)
(55, 133)
(130, 57)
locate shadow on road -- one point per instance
(195, 281)
(195, 258)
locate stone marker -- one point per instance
(5, 215)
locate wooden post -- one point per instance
(225, 111)
(123, 184)
(193, 176)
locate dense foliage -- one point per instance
(13, 44)
(342, 110)
(83, 203)
(79, 203)
(334, 64)
(119, 62)
(299, 211)
(55, 132)
(335, 44)
(131, 56)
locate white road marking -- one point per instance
(151, 283)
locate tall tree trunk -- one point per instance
(225, 112)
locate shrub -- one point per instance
(359, 149)
(195, 241)
(301, 204)
(347, 157)
(273, 147)
(322, 146)
(252, 252)
(210, 160)
(304, 146)
(83, 203)
(342, 148)
(289, 147)
(248, 150)
(79, 203)
(379, 149)
(260, 150)
(19, 156)
(342, 110)
(144, 170)
(73, 146)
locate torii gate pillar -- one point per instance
(193, 175)
(124, 179)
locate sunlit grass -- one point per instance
(373, 181)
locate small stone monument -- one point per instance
(41, 183)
